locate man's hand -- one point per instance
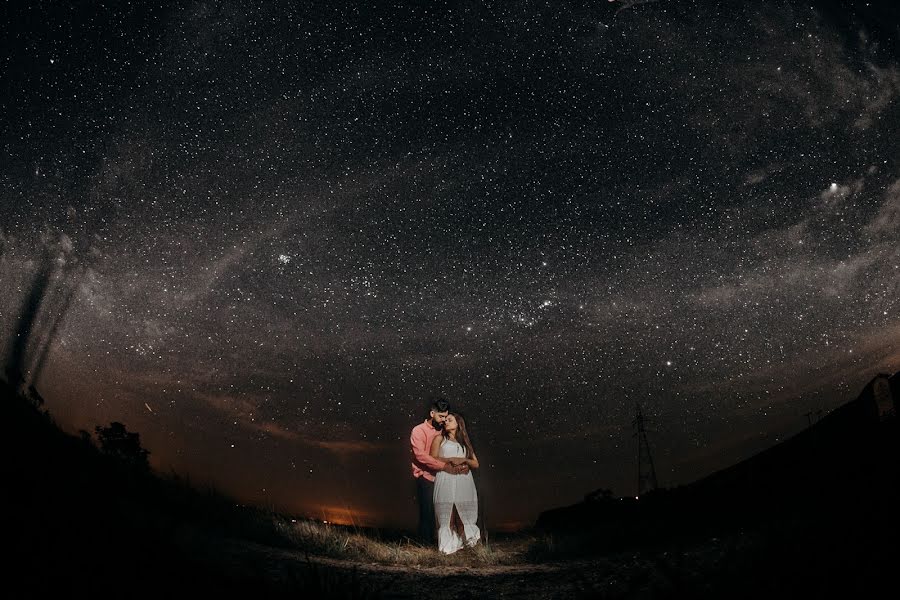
(455, 469)
(461, 469)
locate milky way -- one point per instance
(294, 223)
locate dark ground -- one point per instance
(77, 520)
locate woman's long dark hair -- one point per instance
(462, 436)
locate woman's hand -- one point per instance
(457, 461)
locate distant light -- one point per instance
(635, 497)
(326, 522)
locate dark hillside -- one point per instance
(825, 499)
(75, 518)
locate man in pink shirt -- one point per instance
(424, 466)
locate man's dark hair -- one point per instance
(439, 404)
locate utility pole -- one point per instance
(646, 470)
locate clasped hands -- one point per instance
(456, 466)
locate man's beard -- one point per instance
(436, 425)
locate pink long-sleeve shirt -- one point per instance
(423, 464)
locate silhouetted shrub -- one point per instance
(122, 444)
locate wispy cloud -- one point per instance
(245, 411)
(339, 447)
(790, 258)
(886, 221)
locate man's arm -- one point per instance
(418, 440)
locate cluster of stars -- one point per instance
(297, 224)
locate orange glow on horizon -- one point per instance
(511, 526)
(343, 515)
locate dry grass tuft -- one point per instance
(338, 542)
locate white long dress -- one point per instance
(459, 490)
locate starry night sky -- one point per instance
(287, 225)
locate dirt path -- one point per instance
(622, 577)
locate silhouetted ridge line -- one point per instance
(79, 515)
(847, 458)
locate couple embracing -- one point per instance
(442, 463)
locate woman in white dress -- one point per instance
(455, 491)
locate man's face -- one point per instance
(438, 418)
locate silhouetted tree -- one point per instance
(599, 494)
(35, 396)
(117, 441)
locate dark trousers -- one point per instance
(425, 491)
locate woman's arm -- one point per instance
(473, 461)
(436, 446)
(451, 465)
(435, 452)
